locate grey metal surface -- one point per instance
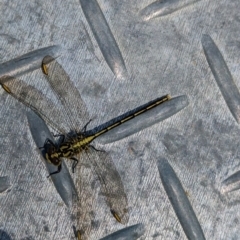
(161, 50)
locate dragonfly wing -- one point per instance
(35, 100)
(75, 108)
(111, 184)
(84, 208)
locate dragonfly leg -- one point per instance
(85, 127)
(46, 142)
(74, 163)
(58, 171)
(98, 150)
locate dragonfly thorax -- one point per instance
(74, 146)
(67, 149)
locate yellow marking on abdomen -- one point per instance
(145, 109)
(85, 141)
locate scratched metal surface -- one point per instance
(120, 55)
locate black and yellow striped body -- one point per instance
(75, 142)
(75, 145)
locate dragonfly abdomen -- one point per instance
(80, 143)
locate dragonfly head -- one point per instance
(52, 154)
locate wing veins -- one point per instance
(69, 96)
(111, 183)
(34, 99)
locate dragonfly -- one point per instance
(71, 123)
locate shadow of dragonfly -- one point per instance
(74, 141)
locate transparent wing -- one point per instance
(111, 184)
(34, 99)
(75, 108)
(83, 210)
